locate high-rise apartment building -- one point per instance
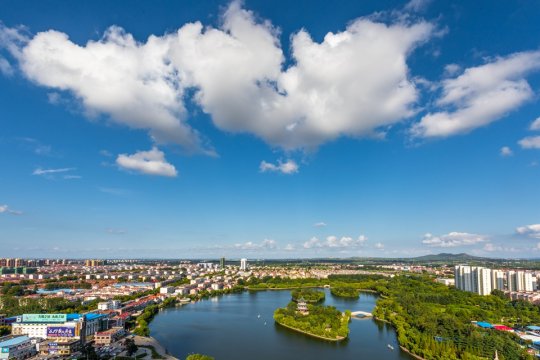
(243, 264)
(519, 281)
(497, 279)
(462, 274)
(522, 280)
(482, 281)
(93, 262)
(474, 279)
(222, 263)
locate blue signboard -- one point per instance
(60, 331)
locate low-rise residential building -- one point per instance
(166, 290)
(59, 347)
(446, 282)
(17, 347)
(109, 305)
(110, 336)
(182, 290)
(217, 286)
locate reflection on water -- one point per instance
(230, 328)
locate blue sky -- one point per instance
(269, 129)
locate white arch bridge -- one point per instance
(361, 314)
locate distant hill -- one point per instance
(448, 257)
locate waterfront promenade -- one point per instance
(150, 341)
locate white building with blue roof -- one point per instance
(17, 347)
(59, 326)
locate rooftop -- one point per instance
(8, 341)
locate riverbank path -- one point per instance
(150, 341)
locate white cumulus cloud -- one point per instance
(266, 244)
(4, 209)
(129, 81)
(506, 151)
(480, 95)
(530, 142)
(287, 167)
(289, 247)
(351, 83)
(333, 241)
(417, 5)
(532, 230)
(321, 96)
(5, 67)
(314, 242)
(453, 239)
(150, 162)
(490, 247)
(535, 125)
(452, 69)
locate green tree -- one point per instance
(199, 357)
(89, 352)
(131, 347)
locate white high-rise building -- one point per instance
(511, 283)
(482, 281)
(462, 274)
(497, 279)
(243, 264)
(519, 281)
(473, 279)
(529, 282)
(524, 280)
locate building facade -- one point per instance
(483, 281)
(243, 264)
(17, 347)
(474, 279)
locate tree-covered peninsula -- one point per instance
(309, 295)
(322, 322)
(345, 292)
(435, 321)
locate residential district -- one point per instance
(93, 305)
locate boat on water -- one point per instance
(258, 316)
(390, 347)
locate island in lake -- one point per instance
(345, 292)
(308, 295)
(322, 322)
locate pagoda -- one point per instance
(302, 307)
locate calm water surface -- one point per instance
(229, 328)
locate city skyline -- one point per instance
(262, 130)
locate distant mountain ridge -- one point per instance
(448, 257)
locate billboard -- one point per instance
(60, 331)
(38, 318)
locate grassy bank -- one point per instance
(339, 338)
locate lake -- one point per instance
(228, 328)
